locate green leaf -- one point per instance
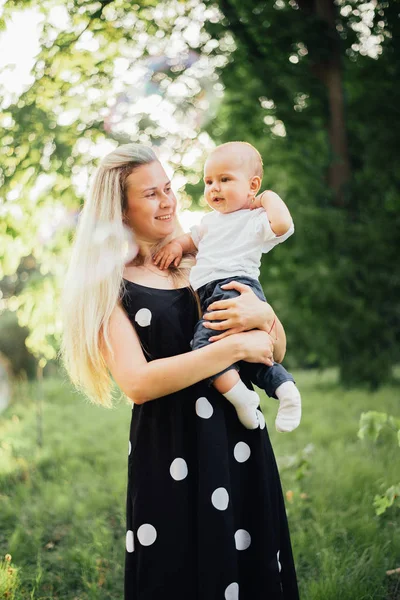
(388, 499)
(371, 424)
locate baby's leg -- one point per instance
(244, 400)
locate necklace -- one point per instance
(155, 272)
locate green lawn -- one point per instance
(62, 506)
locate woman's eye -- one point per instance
(151, 195)
(167, 191)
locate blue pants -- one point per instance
(266, 378)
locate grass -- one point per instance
(62, 505)
(342, 549)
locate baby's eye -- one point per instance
(224, 179)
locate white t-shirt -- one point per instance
(231, 244)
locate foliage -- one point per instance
(334, 283)
(12, 345)
(299, 462)
(372, 424)
(54, 132)
(8, 578)
(388, 499)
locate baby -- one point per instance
(229, 243)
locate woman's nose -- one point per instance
(166, 200)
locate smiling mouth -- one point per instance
(217, 199)
(164, 218)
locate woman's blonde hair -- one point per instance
(87, 302)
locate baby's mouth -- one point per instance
(216, 200)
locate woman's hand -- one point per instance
(243, 313)
(257, 347)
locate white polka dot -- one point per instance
(143, 317)
(146, 534)
(130, 447)
(261, 419)
(204, 408)
(220, 498)
(130, 546)
(241, 452)
(242, 539)
(279, 564)
(178, 469)
(232, 592)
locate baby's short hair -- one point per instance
(250, 156)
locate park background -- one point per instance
(315, 86)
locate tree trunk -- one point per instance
(331, 75)
(327, 67)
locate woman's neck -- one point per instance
(145, 272)
(144, 255)
(142, 270)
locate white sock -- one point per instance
(289, 413)
(245, 402)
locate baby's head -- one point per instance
(232, 176)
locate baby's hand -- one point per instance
(262, 200)
(256, 202)
(170, 253)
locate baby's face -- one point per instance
(227, 184)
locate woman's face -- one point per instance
(151, 203)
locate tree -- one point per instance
(302, 81)
(54, 132)
(283, 92)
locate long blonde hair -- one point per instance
(86, 309)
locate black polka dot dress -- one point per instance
(205, 512)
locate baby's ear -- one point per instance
(255, 183)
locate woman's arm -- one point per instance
(142, 381)
(243, 313)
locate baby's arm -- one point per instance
(174, 250)
(277, 211)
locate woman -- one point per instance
(205, 512)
